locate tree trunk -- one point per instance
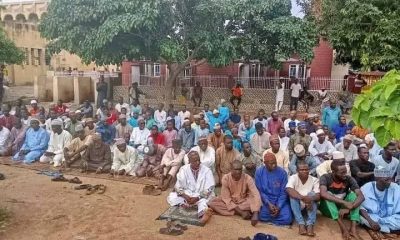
(170, 85)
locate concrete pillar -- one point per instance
(82, 90)
(63, 88)
(55, 89)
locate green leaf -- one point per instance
(355, 114)
(380, 112)
(390, 90)
(366, 105)
(364, 119)
(377, 122)
(383, 136)
(358, 101)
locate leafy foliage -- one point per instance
(363, 32)
(9, 53)
(378, 109)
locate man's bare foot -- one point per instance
(206, 217)
(353, 231)
(343, 229)
(254, 219)
(310, 231)
(246, 215)
(375, 235)
(302, 230)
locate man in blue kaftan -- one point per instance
(271, 182)
(35, 144)
(380, 211)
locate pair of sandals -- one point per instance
(91, 189)
(61, 178)
(151, 190)
(174, 228)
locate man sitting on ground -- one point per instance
(123, 130)
(303, 190)
(59, 139)
(341, 196)
(239, 195)
(97, 156)
(170, 164)
(152, 158)
(321, 148)
(186, 135)
(348, 148)
(271, 181)
(139, 135)
(125, 159)
(5, 142)
(260, 141)
(362, 170)
(325, 167)
(224, 157)
(380, 211)
(194, 186)
(301, 157)
(250, 160)
(35, 144)
(300, 138)
(206, 153)
(216, 138)
(76, 148)
(282, 158)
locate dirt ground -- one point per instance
(43, 210)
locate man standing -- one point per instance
(125, 161)
(362, 170)
(35, 144)
(260, 141)
(239, 195)
(59, 139)
(271, 182)
(250, 160)
(101, 88)
(194, 187)
(224, 157)
(295, 94)
(331, 114)
(380, 211)
(341, 196)
(303, 190)
(135, 92)
(280, 92)
(197, 94)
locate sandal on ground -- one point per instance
(2, 177)
(101, 189)
(177, 224)
(82, 186)
(91, 189)
(59, 178)
(171, 231)
(75, 180)
(151, 190)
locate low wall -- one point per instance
(63, 88)
(43, 88)
(252, 100)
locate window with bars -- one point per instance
(157, 69)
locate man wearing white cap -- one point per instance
(121, 105)
(223, 111)
(123, 130)
(184, 114)
(300, 156)
(321, 148)
(214, 119)
(206, 153)
(35, 109)
(59, 139)
(125, 159)
(216, 138)
(325, 167)
(76, 148)
(380, 211)
(202, 130)
(35, 144)
(160, 116)
(139, 135)
(347, 148)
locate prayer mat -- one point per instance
(185, 216)
(47, 168)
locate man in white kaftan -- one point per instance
(59, 139)
(194, 186)
(206, 153)
(125, 161)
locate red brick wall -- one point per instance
(321, 66)
(126, 72)
(207, 69)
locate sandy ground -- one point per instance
(43, 210)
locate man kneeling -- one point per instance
(194, 186)
(380, 211)
(239, 195)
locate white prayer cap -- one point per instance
(223, 101)
(186, 121)
(34, 119)
(383, 172)
(77, 111)
(78, 128)
(217, 126)
(33, 101)
(299, 150)
(348, 137)
(336, 155)
(119, 141)
(320, 131)
(56, 122)
(369, 138)
(215, 111)
(197, 116)
(202, 137)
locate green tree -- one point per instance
(177, 32)
(363, 32)
(378, 109)
(9, 53)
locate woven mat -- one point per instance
(186, 216)
(37, 166)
